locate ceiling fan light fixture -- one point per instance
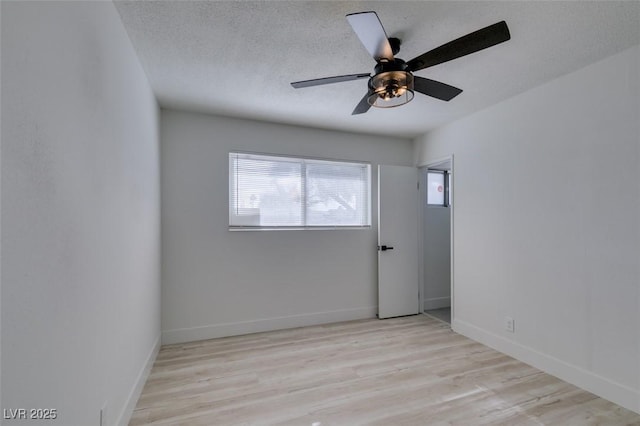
(390, 89)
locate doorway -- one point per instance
(436, 272)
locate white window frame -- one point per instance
(303, 161)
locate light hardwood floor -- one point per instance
(402, 371)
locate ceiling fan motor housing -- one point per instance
(391, 85)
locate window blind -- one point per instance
(286, 192)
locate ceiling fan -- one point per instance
(393, 82)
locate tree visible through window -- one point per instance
(285, 192)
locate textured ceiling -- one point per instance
(237, 58)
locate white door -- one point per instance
(398, 283)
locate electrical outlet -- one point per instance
(509, 324)
(103, 415)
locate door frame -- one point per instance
(422, 168)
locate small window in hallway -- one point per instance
(438, 188)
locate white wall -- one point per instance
(80, 213)
(547, 225)
(437, 258)
(217, 282)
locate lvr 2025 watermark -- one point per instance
(29, 413)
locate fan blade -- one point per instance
(363, 106)
(465, 45)
(435, 89)
(328, 80)
(370, 31)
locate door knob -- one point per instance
(385, 248)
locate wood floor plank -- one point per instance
(399, 371)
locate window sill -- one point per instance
(297, 228)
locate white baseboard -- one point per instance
(132, 399)
(182, 335)
(436, 303)
(615, 392)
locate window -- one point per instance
(438, 185)
(273, 192)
